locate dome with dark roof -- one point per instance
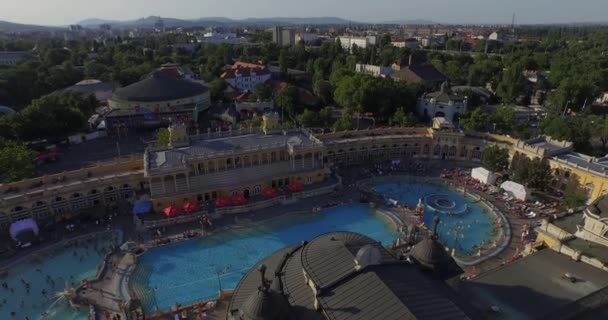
(160, 87)
(6, 110)
(262, 305)
(430, 253)
(266, 303)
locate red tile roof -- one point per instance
(244, 69)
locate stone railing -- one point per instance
(118, 168)
(151, 224)
(319, 191)
(251, 206)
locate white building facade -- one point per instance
(347, 42)
(373, 70)
(441, 104)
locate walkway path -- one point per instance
(105, 293)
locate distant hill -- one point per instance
(6, 26)
(210, 21)
(413, 22)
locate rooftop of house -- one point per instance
(536, 286)
(244, 69)
(291, 72)
(238, 143)
(14, 54)
(426, 72)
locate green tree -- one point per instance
(574, 129)
(599, 127)
(283, 64)
(322, 89)
(307, 118)
(512, 85)
(262, 91)
(63, 113)
(575, 199)
(344, 123)
(16, 161)
(216, 89)
(534, 173)
(326, 116)
(94, 70)
(403, 119)
(56, 56)
(504, 117)
(288, 100)
(474, 121)
(345, 93)
(495, 158)
(163, 137)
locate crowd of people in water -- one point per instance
(457, 227)
(52, 284)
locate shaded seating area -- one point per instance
(24, 232)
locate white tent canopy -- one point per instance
(483, 175)
(21, 227)
(516, 190)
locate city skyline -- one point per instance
(440, 11)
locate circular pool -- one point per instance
(445, 203)
(465, 225)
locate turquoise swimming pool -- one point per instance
(464, 226)
(193, 270)
(47, 274)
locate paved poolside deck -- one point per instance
(106, 293)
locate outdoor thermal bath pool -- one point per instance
(51, 272)
(464, 223)
(191, 271)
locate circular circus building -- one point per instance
(154, 102)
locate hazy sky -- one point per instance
(61, 12)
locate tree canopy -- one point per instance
(16, 161)
(495, 158)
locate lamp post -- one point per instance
(565, 108)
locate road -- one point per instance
(91, 152)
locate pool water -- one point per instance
(64, 266)
(464, 225)
(191, 271)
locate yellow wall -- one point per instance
(578, 178)
(315, 177)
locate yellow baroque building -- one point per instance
(207, 166)
(571, 170)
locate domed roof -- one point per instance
(6, 110)
(262, 305)
(160, 87)
(430, 253)
(266, 303)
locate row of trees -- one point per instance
(533, 173)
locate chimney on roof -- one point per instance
(262, 270)
(411, 60)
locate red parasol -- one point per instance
(190, 207)
(172, 211)
(270, 193)
(238, 200)
(222, 202)
(295, 186)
